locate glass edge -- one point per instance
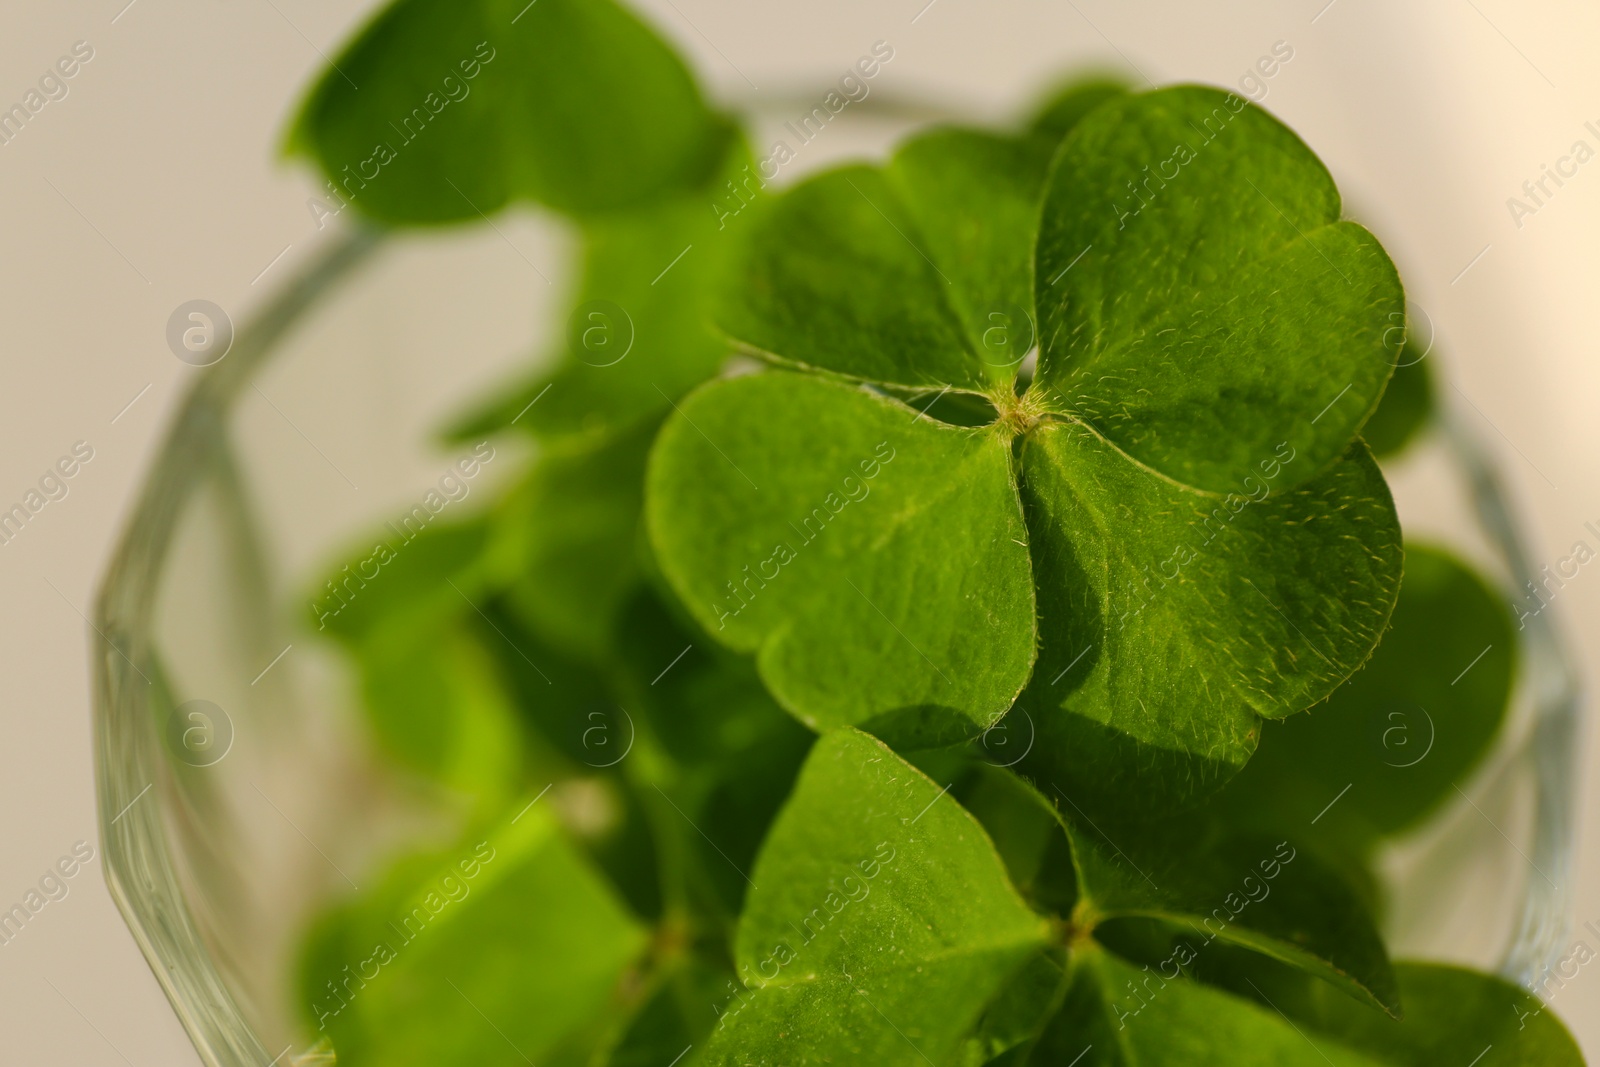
(1549, 748)
(129, 767)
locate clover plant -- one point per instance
(953, 614)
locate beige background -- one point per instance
(155, 181)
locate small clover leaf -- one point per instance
(1210, 890)
(900, 275)
(876, 897)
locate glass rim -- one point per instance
(139, 870)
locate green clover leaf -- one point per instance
(1204, 542)
(916, 275)
(1452, 1014)
(1172, 621)
(1072, 101)
(1203, 326)
(876, 897)
(444, 112)
(820, 567)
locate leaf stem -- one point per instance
(1078, 928)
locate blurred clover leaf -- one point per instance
(638, 334)
(1173, 530)
(1392, 743)
(576, 518)
(1119, 1015)
(439, 963)
(442, 112)
(1406, 407)
(404, 609)
(1452, 1013)
(1066, 106)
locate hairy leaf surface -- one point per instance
(1172, 620)
(1220, 305)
